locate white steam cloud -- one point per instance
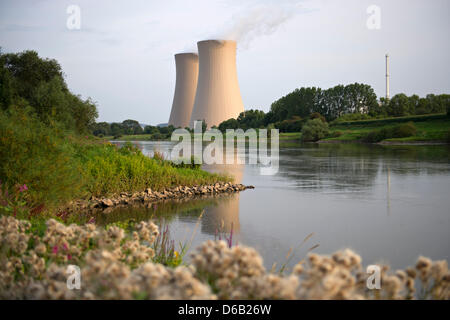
(259, 21)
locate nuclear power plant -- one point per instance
(216, 89)
(185, 88)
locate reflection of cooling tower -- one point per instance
(226, 212)
(185, 87)
(218, 97)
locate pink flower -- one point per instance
(69, 257)
(23, 188)
(92, 220)
(65, 246)
(55, 249)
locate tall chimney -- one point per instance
(218, 97)
(185, 88)
(387, 77)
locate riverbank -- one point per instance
(149, 196)
(431, 129)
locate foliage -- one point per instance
(391, 120)
(290, 125)
(399, 131)
(57, 166)
(331, 103)
(108, 170)
(30, 82)
(314, 130)
(39, 156)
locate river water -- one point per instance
(388, 203)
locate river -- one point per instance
(388, 203)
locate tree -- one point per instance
(400, 105)
(251, 119)
(314, 130)
(229, 124)
(99, 128)
(27, 79)
(117, 129)
(151, 129)
(132, 127)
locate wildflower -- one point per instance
(55, 249)
(23, 188)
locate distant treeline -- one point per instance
(343, 103)
(288, 114)
(130, 127)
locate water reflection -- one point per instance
(386, 202)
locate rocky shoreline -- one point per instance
(150, 196)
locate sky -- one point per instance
(122, 54)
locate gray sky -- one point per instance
(122, 56)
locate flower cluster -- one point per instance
(116, 264)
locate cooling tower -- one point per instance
(218, 97)
(185, 87)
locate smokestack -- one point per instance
(185, 87)
(218, 97)
(387, 77)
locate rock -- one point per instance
(148, 190)
(107, 203)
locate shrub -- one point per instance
(317, 115)
(291, 125)
(399, 131)
(376, 136)
(336, 134)
(314, 130)
(404, 130)
(39, 156)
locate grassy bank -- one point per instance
(434, 128)
(57, 165)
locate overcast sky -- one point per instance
(122, 56)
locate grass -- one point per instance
(112, 170)
(58, 166)
(427, 131)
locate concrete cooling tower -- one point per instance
(218, 97)
(185, 87)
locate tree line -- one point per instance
(351, 102)
(130, 127)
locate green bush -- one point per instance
(404, 130)
(291, 125)
(316, 115)
(336, 134)
(39, 156)
(314, 130)
(399, 131)
(376, 136)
